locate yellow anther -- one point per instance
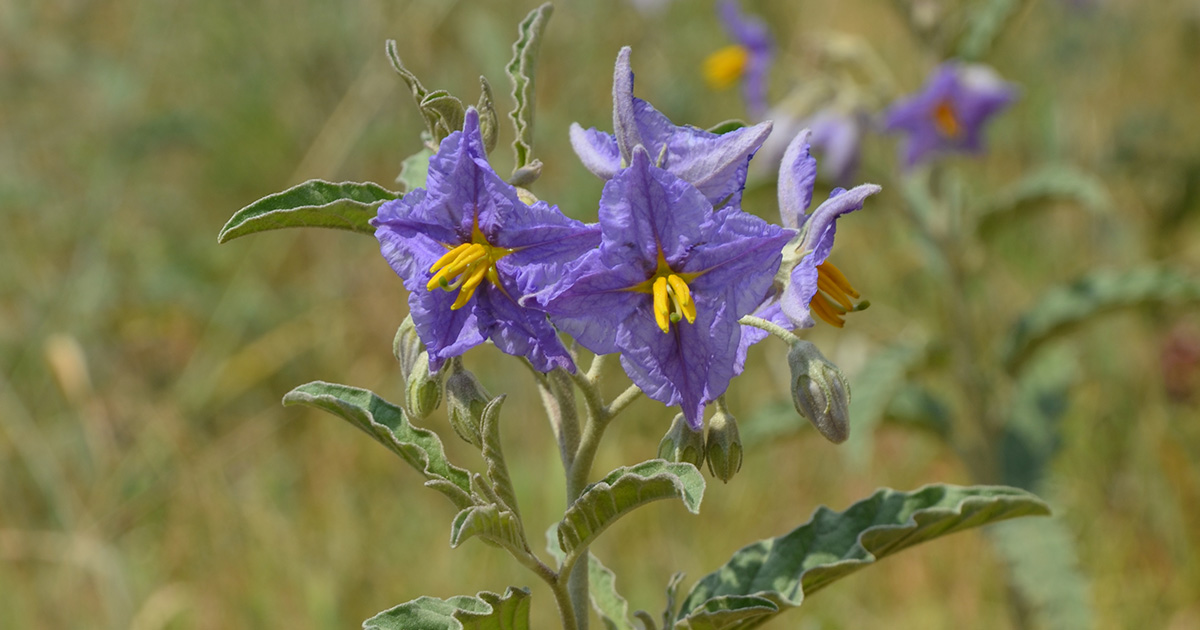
(824, 309)
(463, 260)
(833, 290)
(682, 297)
(469, 286)
(449, 257)
(662, 309)
(725, 66)
(828, 269)
(946, 119)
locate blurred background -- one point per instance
(149, 477)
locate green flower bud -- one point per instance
(723, 446)
(820, 391)
(682, 443)
(407, 347)
(465, 401)
(423, 391)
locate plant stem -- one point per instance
(771, 327)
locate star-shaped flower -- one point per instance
(715, 164)
(748, 59)
(949, 115)
(468, 249)
(668, 284)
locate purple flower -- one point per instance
(748, 58)
(950, 113)
(668, 284)
(468, 249)
(715, 164)
(814, 285)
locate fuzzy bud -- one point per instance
(820, 391)
(407, 347)
(723, 446)
(465, 401)
(682, 443)
(423, 390)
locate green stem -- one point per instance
(771, 327)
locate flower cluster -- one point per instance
(662, 279)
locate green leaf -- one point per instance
(1031, 435)
(497, 469)
(485, 611)
(623, 490)
(489, 122)
(315, 203)
(773, 575)
(1044, 568)
(521, 71)
(602, 586)
(668, 617)
(493, 524)
(388, 424)
(447, 112)
(414, 85)
(1063, 308)
(414, 170)
(1051, 182)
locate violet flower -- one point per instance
(814, 285)
(667, 285)
(468, 249)
(949, 115)
(748, 59)
(715, 164)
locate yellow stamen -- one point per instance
(682, 297)
(460, 263)
(725, 66)
(946, 119)
(449, 257)
(661, 308)
(833, 290)
(468, 287)
(828, 269)
(824, 309)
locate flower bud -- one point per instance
(682, 443)
(723, 446)
(423, 390)
(820, 391)
(465, 401)
(407, 347)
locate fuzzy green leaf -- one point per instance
(497, 469)
(1063, 308)
(489, 121)
(1044, 567)
(485, 611)
(414, 170)
(388, 424)
(773, 575)
(315, 203)
(521, 71)
(623, 490)
(414, 84)
(1051, 182)
(493, 524)
(602, 587)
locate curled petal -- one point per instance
(797, 176)
(597, 150)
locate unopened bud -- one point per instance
(465, 401)
(820, 391)
(423, 390)
(682, 443)
(723, 446)
(407, 347)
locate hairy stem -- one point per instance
(771, 327)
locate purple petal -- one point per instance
(597, 150)
(715, 164)
(594, 301)
(769, 310)
(444, 332)
(737, 258)
(822, 223)
(799, 294)
(797, 176)
(524, 332)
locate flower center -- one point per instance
(672, 297)
(946, 120)
(833, 298)
(464, 267)
(725, 66)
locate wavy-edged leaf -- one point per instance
(521, 70)
(781, 571)
(1031, 436)
(493, 455)
(622, 491)
(489, 121)
(414, 84)
(1044, 568)
(493, 524)
(315, 203)
(1065, 307)
(388, 424)
(668, 616)
(1050, 182)
(485, 611)
(447, 112)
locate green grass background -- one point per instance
(150, 479)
